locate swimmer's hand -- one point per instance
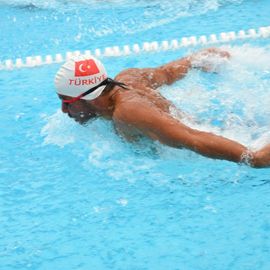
(209, 60)
(215, 51)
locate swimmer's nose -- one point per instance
(64, 107)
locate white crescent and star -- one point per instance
(81, 68)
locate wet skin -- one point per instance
(141, 110)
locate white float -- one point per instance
(146, 47)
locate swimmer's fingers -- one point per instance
(209, 60)
(215, 51)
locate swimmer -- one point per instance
(132, 101)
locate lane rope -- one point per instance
(117, 51)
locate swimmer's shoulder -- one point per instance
(127, 74)
(135, 77)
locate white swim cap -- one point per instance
(80, 74)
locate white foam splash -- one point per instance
(233, 103)
(98, 140)
(61, 130)
(58, 130)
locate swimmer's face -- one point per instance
(80, 110)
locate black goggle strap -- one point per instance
(105, 82)
(123, 85)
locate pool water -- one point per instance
(80, 197)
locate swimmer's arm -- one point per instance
(167, 130)
(166, 74)
(176, 70)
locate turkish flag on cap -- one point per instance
(86, 68)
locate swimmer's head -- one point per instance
(79, 82)
(81, 77)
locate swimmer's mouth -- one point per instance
(82, 118)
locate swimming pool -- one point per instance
(74, 197)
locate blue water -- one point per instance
(74, 197)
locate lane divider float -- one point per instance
(116, 51)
